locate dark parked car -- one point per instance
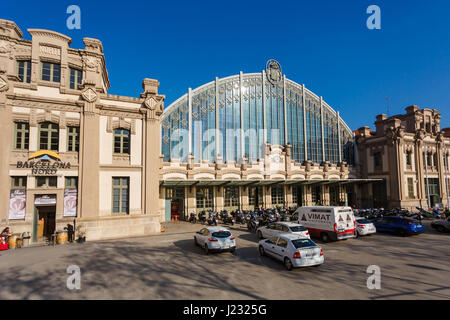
(442, 225)
(399, 225)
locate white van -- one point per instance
(328, 223)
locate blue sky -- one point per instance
(323, 44)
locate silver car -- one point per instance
(215, 239)
(293, 250)
(275, 228)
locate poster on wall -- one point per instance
(17, 202)
(70, 202)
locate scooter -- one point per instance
(240, 217)
(202, 217)
(212, 219)
(226, 218)
(192, 217)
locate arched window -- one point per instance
(48, 136)
(122, 141)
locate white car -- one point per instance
(293, 250)
(364, 227)
(215, 239)
(275, 228)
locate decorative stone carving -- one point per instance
(4, 46)
(3, 83)
(89, 95)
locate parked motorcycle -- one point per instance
(227, 219)
(202, 216)
(240, 217)
(212, 219)
(192, 217)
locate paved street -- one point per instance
(170, 266)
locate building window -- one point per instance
(18, 183)
(277, 195)
(408, 158)
(21, 135)
(73, 138)
(48, 181)
(410, 188)
(255, 196)
(316, 195)
(51, 72)
(122, 141)
(428, 159)
(48, 136)
(377, 160)
(120, 195)
(76, 77)
(231, 196)
(24, 71)
(204, 197)
(71, 182)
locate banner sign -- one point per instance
(70, 202)
(45, 199)
(17, 203)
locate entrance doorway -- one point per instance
(45, 222)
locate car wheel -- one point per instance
(401, 233)
(262, 253)
(440, 228)
(260, 234)
(356, 234)
(233, 250)
(206, 249)
(324, 237)
(195, 241)
(288, 264)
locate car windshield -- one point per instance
(303, 243)
(363, 221)
(297, 228)
(221, 234)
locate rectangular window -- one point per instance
(21, 135)
(410, 188)
(71, 183)
(24, 71)
(378, 160)
(122, 141)
(48, 181)
(204, 197)
(48, 136)
(51, 72)
(75, 79)
(277, 195)
(120, 195)
(73, 139)
(408, 158)
(231, 196)
(18, 183)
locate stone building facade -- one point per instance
(410, 153)
(71, 150)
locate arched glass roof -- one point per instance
(233, 117)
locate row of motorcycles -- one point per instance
(375, 213)
(252, 218)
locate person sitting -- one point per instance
(5, 234)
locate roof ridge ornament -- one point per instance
(273, 71)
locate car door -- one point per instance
(380, 224)
(268, 231)
(269, 246)
(281, 248)
(204, 233)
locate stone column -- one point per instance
(152, 109)
(5, 143)
(89, 153)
